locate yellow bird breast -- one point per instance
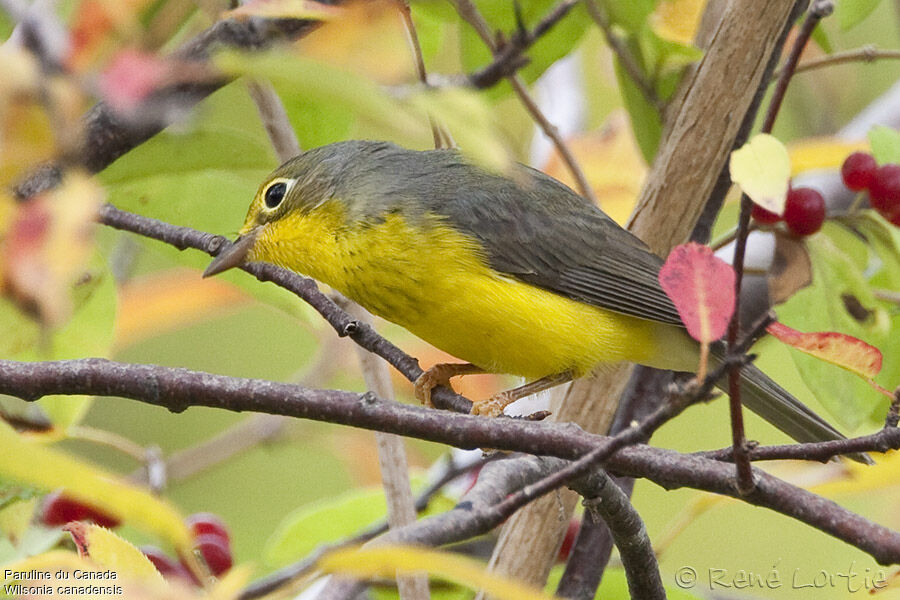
(432, 280)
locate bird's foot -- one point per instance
(440, 374)
(494, 406)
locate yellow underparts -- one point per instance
(431, 280)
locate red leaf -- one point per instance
(839, 349)
(702, 288)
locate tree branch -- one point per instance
(178, 389)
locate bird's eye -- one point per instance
(275, 194)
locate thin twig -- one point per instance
(275, 120)
(866, 54)
(626, 58)
(509, 58)
(391, 456)
(442, 137)
(817, 11)
(107, 438)
(470, 13)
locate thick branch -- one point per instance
(177, 389)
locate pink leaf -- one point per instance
(702, 288)
(839, 349)
(132, 76)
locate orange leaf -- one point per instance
(839, 349)
(701, 286)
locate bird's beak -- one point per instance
(232, 256)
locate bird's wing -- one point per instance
(544, 234)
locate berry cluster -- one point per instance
(861, 174)
(804, 209)
(211, 538)
(804, 212)
(211, 541)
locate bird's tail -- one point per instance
(777, 406)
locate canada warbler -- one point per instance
(515, 275)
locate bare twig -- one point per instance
(442, 137)
(626, 58)
(611, 504)
(391, 457)
(866, 54)
(817, 11)
(248, 434)
(107, 136)
(508, 58)
(470, 13)
(275, 120)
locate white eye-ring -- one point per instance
(276, 191)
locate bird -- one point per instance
(511, 272)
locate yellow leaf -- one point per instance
(29, 462)
(762, 169)
(109, 551)
(386, 561)
(821, 153)
(374, 25)
(677, 20)
(15, 518)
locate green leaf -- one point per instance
(645, 120)
(90, 332)
(334, 520)
(883, 272)
(820, 37)
(885, 144)
(840, 299)
(327, 521)
(631, 16)
(850, 13)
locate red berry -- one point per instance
(804, 211)
(884, 193)
(215, 552)
(858, 171)
(205, 523)
(59, 510)
(761, 215)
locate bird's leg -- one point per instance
(493, 406)
(440, 374)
